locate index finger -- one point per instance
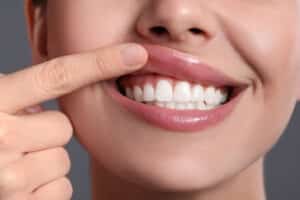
(65, 74)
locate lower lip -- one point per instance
(174, 120)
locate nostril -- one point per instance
(159, 30)
(196, 31)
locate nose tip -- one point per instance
(176, 20)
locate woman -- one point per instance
(192, 119)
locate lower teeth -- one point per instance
(183, 106)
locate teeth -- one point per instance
(221, 95)
(198, 93)
(210, 96)
(184, 95)
(148, 93)
(160, 104)
(182, 92)
(190, 106)
(164, 91)
(180, 106)
(201, 105)
(214, 96)
(138, 93)
(129, 93)
(170, 105)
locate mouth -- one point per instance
(176, 91)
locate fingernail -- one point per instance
(34, 109)
(133, 55)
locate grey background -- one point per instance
(282, 170)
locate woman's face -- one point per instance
(254, 42)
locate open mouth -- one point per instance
(171, 93)
(177, 92)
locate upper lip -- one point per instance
(183, 66)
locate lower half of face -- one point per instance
(147, 154)
(168, 156)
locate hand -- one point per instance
(33, 162)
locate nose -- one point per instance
(177, 21)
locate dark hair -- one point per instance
(39, 2)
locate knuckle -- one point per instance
(11, 181)
(102, 66)
(53, 76)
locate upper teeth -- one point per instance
(169, 94)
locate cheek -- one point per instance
(82, 26)
(271, 50)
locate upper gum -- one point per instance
(141, 80)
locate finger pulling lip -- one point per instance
(173, 63)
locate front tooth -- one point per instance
(138, 93)
(129, 93)
(164, 91)
(182, 92)
(197, 93)
(148, 92)
(210, 96)
(180, 106)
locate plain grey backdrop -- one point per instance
(282, 169)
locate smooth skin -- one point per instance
(33, 161)
(136, 160)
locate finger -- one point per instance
(33, 171)
(62, 75)
(8, 156)
(29, 110)
(35, 132)
(59, 189)
(17, 196)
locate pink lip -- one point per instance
(173, 63)
(170, 62)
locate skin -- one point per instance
(142, 161)
(33, 161)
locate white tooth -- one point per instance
(180, 106)
(190, 106)
(222, 95)
(170, 105)
(197, 93)
(160, 104)
(164, 91)
(182, 92)
(148, 92)
(138, 93)
(209, 107)
(129, 93)
(201, 105)
(210, 96)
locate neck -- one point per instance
(248, 185)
